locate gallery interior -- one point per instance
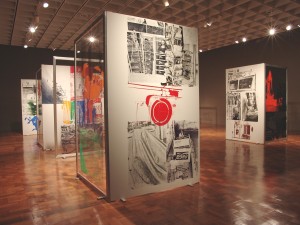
(174, 112)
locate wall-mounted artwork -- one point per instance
(249, 107)
(159, 53)
(234, 106)
(161, 154)
(29, 106)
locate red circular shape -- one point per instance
(161, 112)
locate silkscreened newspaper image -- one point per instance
(242, 108)
(162, 154)
(161, 59)
(160, 52)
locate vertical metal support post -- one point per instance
(54, 104)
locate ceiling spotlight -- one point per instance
(236, 42)
(207, 24)
(244, 39)
(288, 27)
(200, 50)
(45, 4)
(298, 25)
(78, 51)
(92, 39)
(166, 3)
(25, 46)
(32, 29)
(272, 31)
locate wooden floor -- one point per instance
(240, 184)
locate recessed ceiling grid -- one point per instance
(219, 22)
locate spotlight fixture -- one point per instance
(200, 50)
(207, 24)
(236, 42)
(166, 3)
(45, 5)
(288, 27)
(78, 51)
(25, 46)
(32, 29)
(92, 39)
(298, 25)
(272, 31)
(244, 39)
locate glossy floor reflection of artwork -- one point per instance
(91, 160)
(240, 183)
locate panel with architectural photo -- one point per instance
(249, 107)
(233, 106)
(160, 53)
(162, 154)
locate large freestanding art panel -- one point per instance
(256, 103)
(89, 97)
(58, 113)
(152, 98)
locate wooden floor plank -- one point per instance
(240, 183)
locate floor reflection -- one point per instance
(240, 184)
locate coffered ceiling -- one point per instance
(219, 22)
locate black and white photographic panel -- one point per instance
(233, 106)
(244, 120)
(242, 130)
(161, 154)
(157, 53)
(250, 111)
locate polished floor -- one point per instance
(240, 183)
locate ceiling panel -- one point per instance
(219, 22)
